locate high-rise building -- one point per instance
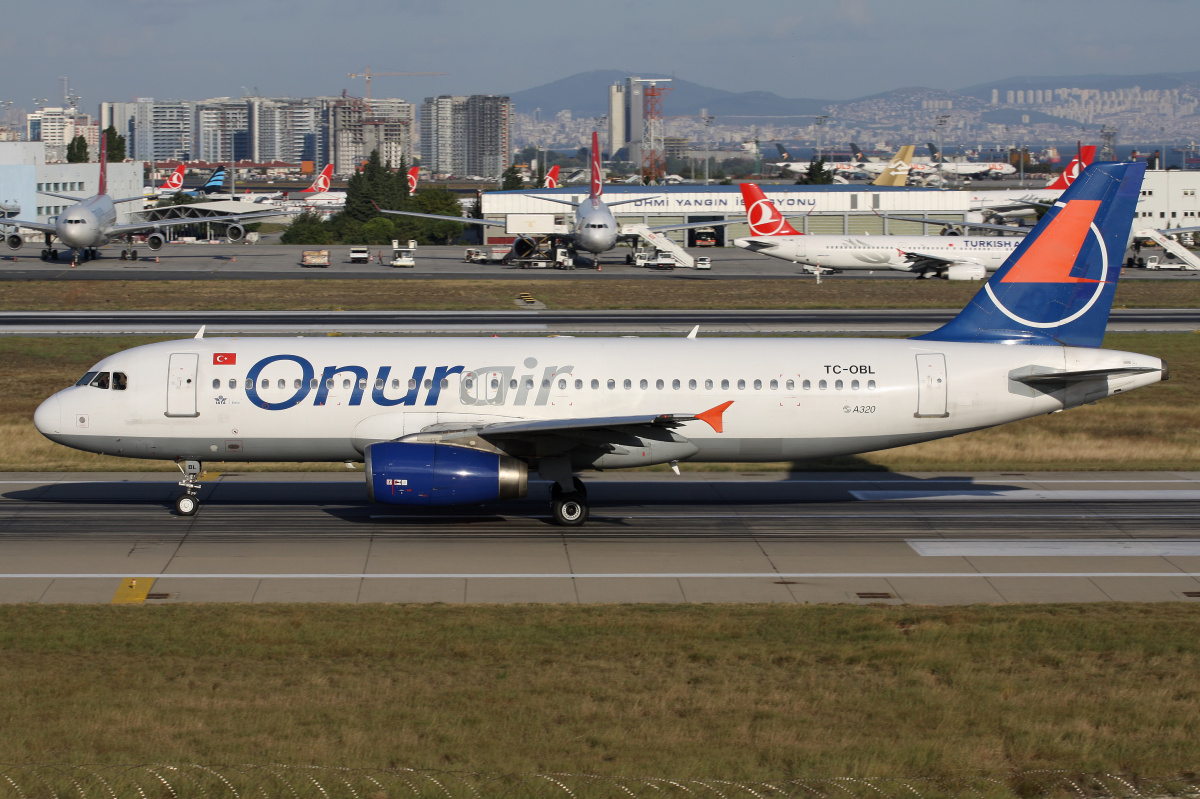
(626, 118)
(467, 135)
(222, 130)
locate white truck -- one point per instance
(360, 255)
(404, 256)
(653, 259)
(314, 258)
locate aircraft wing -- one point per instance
(464, 220)
(951, 223)
(134, 227)
(63, 196)
(690, 225)
(554, 200)
(42, 226)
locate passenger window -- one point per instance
(345, 382)
(758, 385)
(395, 382)
(282, 383)
(644, 384)
(628, 384)
(379, 383)
(545, 383)
(86, 379)
(578, 385)
(428, 383)
(362, 383)
(445, 382)
(468, 383)
(528, 383)
(413, 384)
(774, 385)
(495, 384)
(724, 385)
(611, 384)
(562, 384)
(807, 384)
(708, 385)
(233, 383)
(119, 381)
(692, 384)
(100, 380)
(266, 383)
(854, 385)
(512, 384)
(838, 385)
(659, 384)
(741, 385)
(249, 384)
(823, 385)
(216, 382)
(595, 384)
(791, 385)
(870, 385)
(329, 383)
(313, 382)
(675, 384)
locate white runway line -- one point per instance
(1030, 494)
(604, 576)
(1081, 548)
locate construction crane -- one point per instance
(368, 74)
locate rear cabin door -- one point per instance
(181, 384)
(931, 385)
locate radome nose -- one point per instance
(48, 416)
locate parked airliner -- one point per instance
(92, 222)
(950, 257)
(595, 229)
(464, 421)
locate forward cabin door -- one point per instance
(931, 385)
(181, 384)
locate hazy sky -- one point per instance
(192, 49)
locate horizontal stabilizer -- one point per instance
(1045, 380)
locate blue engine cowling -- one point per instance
(400, 473)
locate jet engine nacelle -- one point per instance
(952, 230)
(235, 232)
(523, 247)
(14, 241)
(403, 473)
(155, 241)
(965, 272)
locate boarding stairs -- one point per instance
(1190, 261)
(662, 243)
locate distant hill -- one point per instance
(586, 95)
(1156, 80)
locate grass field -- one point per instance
(470, 295)
(1153, 428)
(728, 692)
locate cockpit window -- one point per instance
(119, 381)
(86, 379)
(100, 380)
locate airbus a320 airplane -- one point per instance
(464, 421)
(595, 229)
(92, 222)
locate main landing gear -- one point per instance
(187, 503)
(569, 508)
(129, 255)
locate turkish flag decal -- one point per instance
(224, 358)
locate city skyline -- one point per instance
(181, 49)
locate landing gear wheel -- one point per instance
(45, 255)
(187, 504)
(54, 255)
(124, 255)
(570, 510)
(133, 255)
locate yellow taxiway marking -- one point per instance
(133, 590)
(210, 477)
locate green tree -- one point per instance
(307, 228)
(817, 174)
(115, 145)
(441, 201)
(378, 231)
(77, 151)
(511, 180)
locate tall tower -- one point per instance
(653, 159)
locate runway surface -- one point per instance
(282, 262)
(652, 537)
(825, 322)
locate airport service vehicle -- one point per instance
(360, 255)
(92, 222)
(653, 259)
(948, 257)
(595, 229)
(404, 256)
(464, 421)
(314, 258)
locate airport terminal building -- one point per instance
(24, 173)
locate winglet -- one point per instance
(695, 330)
(200, 332)
(712, 417)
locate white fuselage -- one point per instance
(298, 399)
(88, 223)
(595, 228)
(882, 252)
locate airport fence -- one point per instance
(161, 781)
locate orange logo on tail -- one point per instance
(1052, 254)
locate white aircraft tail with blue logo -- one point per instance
(1057, 287)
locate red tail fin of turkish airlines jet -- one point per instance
(103, 187)
(412, 179)
(174, 180)
(597, 172)
(762, 215)
(1074, 168)
(552, 178)
(321, 184)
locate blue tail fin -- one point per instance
(1057, 287)
(216, 181)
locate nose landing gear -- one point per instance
(187, 503)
